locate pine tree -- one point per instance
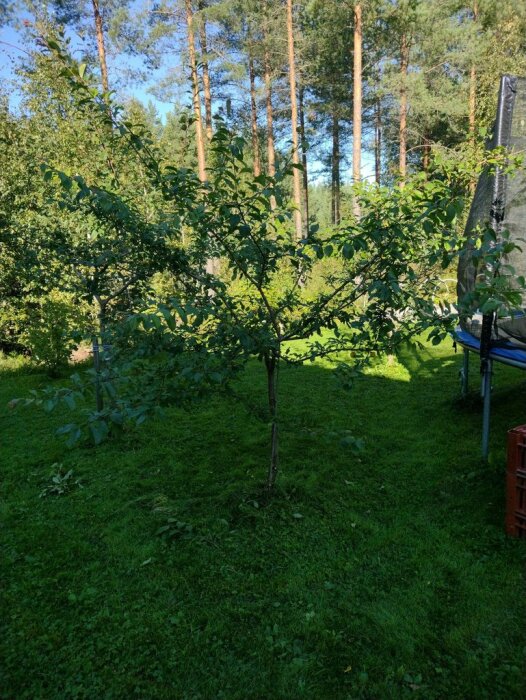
(294, 122)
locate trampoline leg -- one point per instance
(464, 375)
(486, 395)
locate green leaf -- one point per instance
(99, 431)
(69, 400)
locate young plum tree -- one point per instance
(362, 289)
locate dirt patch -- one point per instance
(80, 355)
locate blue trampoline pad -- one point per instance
(504, 352)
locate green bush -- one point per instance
(55, 327)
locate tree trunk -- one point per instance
(472, 102)
(296, 175)
(97, 344)
(357, 104)
(426, 154)
(95, 347)
(201, 163)
(254, 114)
(271, 154)
(304, 159)
(473, 85)
(473, 98)
(378, 142)
(404, 62)
(335, 170)
(101, 47)
(206, 74)
(272, 366)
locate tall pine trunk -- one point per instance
(206, 73)
(357, 104)
(304, 158)
(211, 263)
(335, 169)
(473, 96)
(271, 154)
(378, 142)
(254, 114)
(101, 47)
(196, 101)
(473, 86)
(296, 175)
(404, 63)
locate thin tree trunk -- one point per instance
(296, 175)
(272, 366)
(211, 265)
(473, 84)
(357, 104)
(201, 163)
(335, 169)
(206, 74)
(254, 114)
(404, 62)
(378, 142)
(473, 96)
(426, 154)
(101, 47)
(97, 344)
(95, 347)
(271, 152)
(304, 158)
(472, 102)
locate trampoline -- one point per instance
(499, 202)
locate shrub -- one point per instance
(55, 327)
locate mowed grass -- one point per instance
(383, 575)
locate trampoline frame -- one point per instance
(505, 354)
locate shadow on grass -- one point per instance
(369, 575)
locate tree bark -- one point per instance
(101, 47)
(271, 152)
(357, 104)
(95, 348)
(404, 62)
(296, 175)
(473, 85)
(335, 170)
(206, 73)
(97, 343)
(304, 158)
(254, 114)
(272, 366)
(201, 163)
(426, 154)
(378, 142)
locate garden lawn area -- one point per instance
(165, 575)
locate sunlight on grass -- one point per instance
(379, 575)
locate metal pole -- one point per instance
(464, 374)
(486, 395)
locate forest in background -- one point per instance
(352, 89)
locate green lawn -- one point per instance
(381, 576)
